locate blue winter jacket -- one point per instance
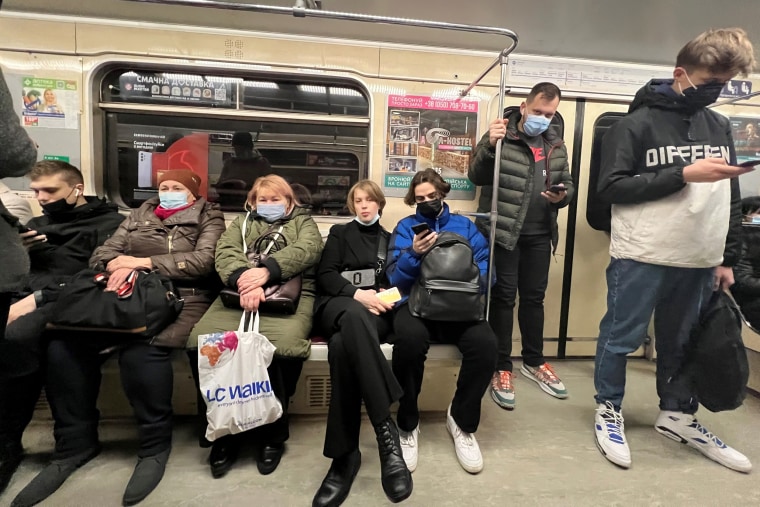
(404, 263)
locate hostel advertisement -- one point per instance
(425, 132)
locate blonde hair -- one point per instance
(721, 50)
(276, 184)
(373, 191)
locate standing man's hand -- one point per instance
(723, 278)
(497, 130)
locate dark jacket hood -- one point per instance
(95, 206)
(650, 95)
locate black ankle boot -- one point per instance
(51, 477)
(10, 458)
(337, 483)
(396, 478)
(148, 473)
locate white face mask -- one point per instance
(371, 222)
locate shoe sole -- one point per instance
(502, 404)
(467, 468)
(548, 390)
(667, 432)
(610, 458)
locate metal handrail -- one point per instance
(502, 60)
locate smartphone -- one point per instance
(557, 189)
(420, 228)
(749, 163)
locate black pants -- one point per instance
(358, 371)
(5, 305)
(411, 342)
(283, 377)
(73, 384)
(523, 271)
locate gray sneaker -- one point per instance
(502, 390)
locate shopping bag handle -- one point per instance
(248, 324)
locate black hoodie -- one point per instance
(658, 218)
(72, 236)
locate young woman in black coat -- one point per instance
(356, 321)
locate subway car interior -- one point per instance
(333, 92)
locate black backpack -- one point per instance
(716, 359)
(448, 288)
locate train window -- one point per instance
(598, 214)
(558, 123)
(146, 133)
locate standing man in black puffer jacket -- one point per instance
(59, 244)
(17, 155)
(534, 183)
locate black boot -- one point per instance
(396, 478)
(337, 483)
(51, 478)
(224, 453)
(10, 458)
(148, 473)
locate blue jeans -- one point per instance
(634, 291)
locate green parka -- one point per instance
(516, 181)
(289, 333)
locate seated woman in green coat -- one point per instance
(272, 204)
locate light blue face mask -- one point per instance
(271, 212)
(535, 125)
(371, 222)
(755, 220)
(172, 200)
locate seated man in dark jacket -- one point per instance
(746, 288)
(59, 243)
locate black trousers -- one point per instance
(283, 377)
(523, 271)
(411, 342)
(358, 371)
(73, 384)
(5, 305)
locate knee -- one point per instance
(409, 346)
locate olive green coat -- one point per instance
(289, 333)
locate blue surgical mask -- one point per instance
(371, 222)
(271, 212)
(172, 200)
(755, 220)
(535, 125)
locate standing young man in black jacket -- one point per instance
(534, 183)
(60, 244)
(676, 223)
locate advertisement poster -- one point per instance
(165, 87)
(51, 103)
(425, 132)
(746, 133)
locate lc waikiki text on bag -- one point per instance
(448, 288)
(279, 298)
(234, 379)
(716, 359)
(145, 304)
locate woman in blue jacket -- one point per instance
(413, 335)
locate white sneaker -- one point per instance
(686, 429)
(409, 446)
(468, 452)
(610, 435)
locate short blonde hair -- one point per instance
(721, 50)
(272, 182)
(373, 191)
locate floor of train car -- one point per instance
(541, 453)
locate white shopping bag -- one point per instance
(234, 379)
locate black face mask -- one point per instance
(703, 95)
(59, 206)
(430, 209)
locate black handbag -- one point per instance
(143, 307)
(279, 298)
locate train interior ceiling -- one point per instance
(328, 102)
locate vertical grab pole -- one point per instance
(503, 61)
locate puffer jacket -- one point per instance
(181, 248)
(17, 155)
(289, 333)
(516, 181)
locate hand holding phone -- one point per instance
(420, 228)
(556, 189)
(749, 163)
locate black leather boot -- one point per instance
(148, 473)
(395, 476)
(337, 483)
(10, 458)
